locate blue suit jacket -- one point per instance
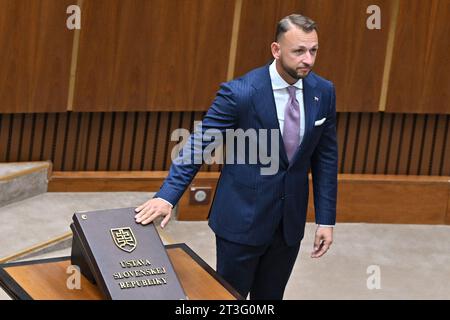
(247, 206)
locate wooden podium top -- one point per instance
(46, 279)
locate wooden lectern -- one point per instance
(47, 279)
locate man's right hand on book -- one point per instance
(152, 209)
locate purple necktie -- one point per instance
(291, 129)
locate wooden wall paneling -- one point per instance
(92, 141)
(445, 162)
(46, 136)
(436, 96)
(406, 141)
(5, 128)
(57, 141)
(391, 160)
(150, 149)
(389, 146)
(351, 55)
(427, 145)
(392, 199)
(442, 131)
(70, 163)
(54, 136)
(198, 116)
(140, 148)
(27, 137)
(36, 52)
(342, 129)
(129, 144)
(175, 121)
(161, 141)
(20, 133)
(128, 141)
(363, 139)
(9, 141)
(106, 181)
(352, 141)
(37, 138)
(138, 142)
(422, 143)
(15, 130)
(61, 130)
(367, 125)
(416, 145)
(401, 129)
(50, 122)
(135, 156)
(87, 161)
(172, 124)
(152, 55)
(372, 147)
(41, 135)
(188, 123)
(384, 144)
(106, 122)
(82, 141)
(115, 141)
(439, 147)
(420, 71)
(256, 33)
(394, 8)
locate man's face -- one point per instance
(296, 52)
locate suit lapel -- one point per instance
(264, 106)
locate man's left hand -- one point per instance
(322, 241)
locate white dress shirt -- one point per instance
(281, 96)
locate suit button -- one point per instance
(282, 197)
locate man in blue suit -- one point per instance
(259, 219)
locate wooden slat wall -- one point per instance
(152, 55)
(35, 55)
(350, 55)
(420, 74)
(159, 55)
(369, 143)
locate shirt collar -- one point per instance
(278, 82)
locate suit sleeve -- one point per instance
(221, 116)
(324, 169)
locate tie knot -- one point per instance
(291, 90)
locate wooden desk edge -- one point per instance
(15, 291)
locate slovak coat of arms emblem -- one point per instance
(124, 238)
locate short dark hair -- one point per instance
(302, 22)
